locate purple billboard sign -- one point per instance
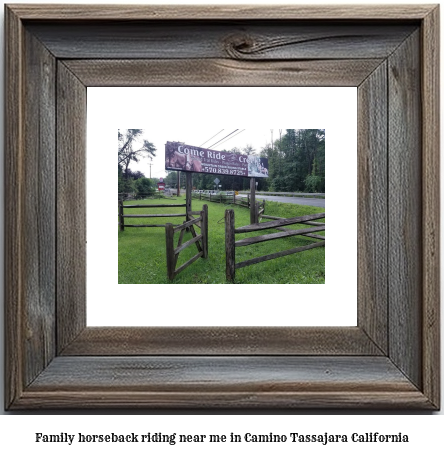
(182, 157)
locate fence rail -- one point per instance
(137, 196)
(278, 223)
(296, 194)
(199, 240)
(123, 216)
(306, 222)
(215, 197)
(229, 199)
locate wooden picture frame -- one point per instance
(389, 360)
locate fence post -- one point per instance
(204, 230)
(230, 258)
(121, 219)
(253, 213)
(189, 186)
(234, 197)
(170, 257)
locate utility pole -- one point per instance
(151, 164)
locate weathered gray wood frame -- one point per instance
(391, 359)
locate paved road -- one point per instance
(318, 202)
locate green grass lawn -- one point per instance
(142, 256)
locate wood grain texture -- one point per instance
(221, 72)
(129, 341)
(121, 218)
(71, 204)
(234, 382)
(133, 206)
(152, 215)
(257, 400)
(204, 229)
(268, 237)
(169, 250)
(241, 40)
(278, 223)
(14, 300)
(145, 226)
(39, 235)
(186, 244)
(275, 255)
(188, 190)
(219, 12)
(253, 208)
(405, 209)
(30, 206)
(206, 373)
(372, 207)
(430, 93)
(230, 251)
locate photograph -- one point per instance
(245, 206)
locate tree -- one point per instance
(134, 174)
(248, 150)
(171, 179)
(297, 161)
(173, 176)
(313, 181)
(132, 147)
(144, 186)
(125, 185)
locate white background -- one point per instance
(329, 304)
(17, 432)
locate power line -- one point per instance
(211, 138)
(232, 137)
(217, 142)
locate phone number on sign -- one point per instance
(210, 169)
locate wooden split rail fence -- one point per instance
(277, 223)
(199, 240)
(139, 196)
(123, 216)
(215, 197)
(229, 199)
